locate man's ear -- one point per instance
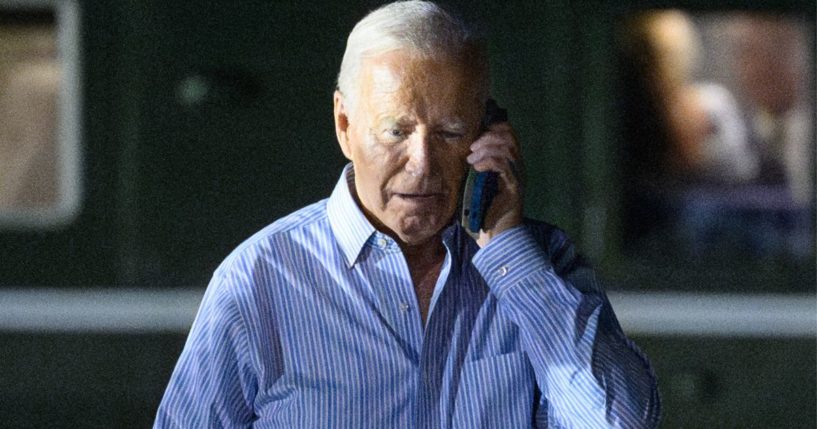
(342, 125)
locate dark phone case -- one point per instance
(481, 187)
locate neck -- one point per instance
(424, 254)
(424, 262)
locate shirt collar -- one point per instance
(349, 224)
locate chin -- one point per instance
(419, 231)
(415, 239)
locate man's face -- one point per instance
(408, 135)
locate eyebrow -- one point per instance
(392, 120)
(455, 124)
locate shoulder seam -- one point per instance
(294, 221)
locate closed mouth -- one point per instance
(418, 195)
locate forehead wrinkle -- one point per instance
(400, 90)
(395, 102)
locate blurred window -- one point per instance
(719, 144)
(39, 162)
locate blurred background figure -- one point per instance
(703, 137)
(707, 170)
(772, 68)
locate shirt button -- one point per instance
(404, 307)
(503, 270)
(381, 242)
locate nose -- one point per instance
(420, 154)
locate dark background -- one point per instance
(173, 182)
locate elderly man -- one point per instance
(375, 309)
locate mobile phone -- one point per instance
(481, 187)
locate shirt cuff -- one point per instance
(508, 258)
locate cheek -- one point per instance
(455, 163)
(373, 152)
(375, 165)
(387, 158)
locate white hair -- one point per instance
(422, 28)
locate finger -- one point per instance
(503, 129)
(490, 141)
(512, 184)
(517, 169)
(497, 151)
(502, 166)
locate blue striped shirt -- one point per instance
(313, 323)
